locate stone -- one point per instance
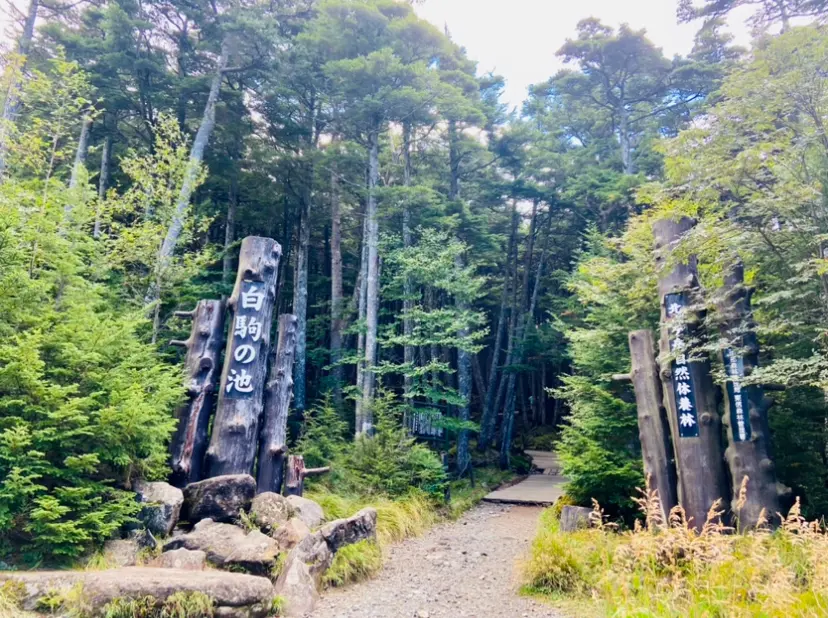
(228, 546)
(297, 587)
(121, 553)
(574, 518)
(314, 551)
(144, 538)
(236, 595)
(186, 559)
(359, 527)
(290, 534)
(219, 498)
(270, 510)
(161, 506)
(307, 510)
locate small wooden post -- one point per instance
(296, 473)
(202, 371)
(689, 393)
(234, 440)
(653, 428)
(746, 409)
(273, 437)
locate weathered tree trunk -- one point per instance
(12, 102)
(202, 370)
(408, 287)
(337, 294)
(81, 152)
(464, 387)
(361, 290)
(205, 130)
(748, 453)
(103, 183)
(689, 392)
(372, 288)
(300, 285)
(273, 436)
(235, 430)
(653, 428)
(296, 474)
(230, 224)
(489, 420)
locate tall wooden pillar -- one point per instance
(689, 393)
(202, 371)
(653, 427)
(235, 431)
(746, 409)
(273, 438)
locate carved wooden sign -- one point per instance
(247, 342)
(737, 395)
(688, 420)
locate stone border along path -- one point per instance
(464, 569)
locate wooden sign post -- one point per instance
(235, 431)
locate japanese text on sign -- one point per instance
(246, 346)
(737, 396)
(688, 420)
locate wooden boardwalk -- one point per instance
(543, 488)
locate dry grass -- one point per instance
(666, 569)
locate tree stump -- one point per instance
(746, 409)
(653, 428)
(690, 396)
(202, 369)
(296, 473)
(273, 436)
(234, 441)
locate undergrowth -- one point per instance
(354, 563)
(666, 569)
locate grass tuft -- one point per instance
(666, 569)
(354, 563)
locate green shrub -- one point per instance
(178, 605)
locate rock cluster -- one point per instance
(218, 522)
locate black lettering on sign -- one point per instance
(683, 387)
(246, 333)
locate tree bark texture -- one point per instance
(464, 388)
(408, 288)
(201, 366)
(296, 474)
(372, 288)
(653, 428)
(103, 183)
(695, 424)
(489, 420)
(300, 287)
(273, 435)
(230, 225)
(81, 152)
(361, 290)
(337, 293)
(748, 453)
(235, 431)
(205, 130)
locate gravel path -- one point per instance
(468, 568)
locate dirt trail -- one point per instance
(468, 568)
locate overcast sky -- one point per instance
(518, 38)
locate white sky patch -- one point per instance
(518, 38)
